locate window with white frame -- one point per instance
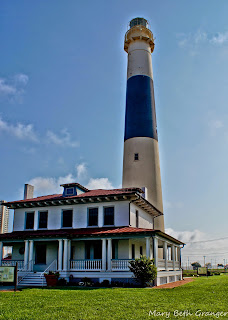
(43, 219)
(67, 217)
(92, 217)
(29, 220)
(69, 191)
(108, 216)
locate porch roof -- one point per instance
(85, 232)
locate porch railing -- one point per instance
(161, 264)
(52, 267)
(86, 265)
(12, 263)
(120, 264)
(170, 264)
(177, 264)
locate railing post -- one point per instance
(60, 255)
(165, 254)
(148, 247)
(31, 246)
(103, 254)
(109, 254)
(173, 256)
(1, 252)
(26, 253)
(65, 255)
(155, 251)
(69, 254)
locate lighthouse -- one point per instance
(141, 165)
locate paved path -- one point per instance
(174, 284)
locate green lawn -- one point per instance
(207, 294)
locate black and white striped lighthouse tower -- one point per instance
(141, 165)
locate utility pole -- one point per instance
(188, 264)
(204, 257)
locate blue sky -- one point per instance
(62, 102)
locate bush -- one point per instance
(61, 282)
(144, 270)
(105, 283)
(87, 281)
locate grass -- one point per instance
(207, 294)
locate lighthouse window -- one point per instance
(136, 157)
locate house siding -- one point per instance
(145, 219)
(80, 213)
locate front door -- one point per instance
(40, 254)
(93, 249)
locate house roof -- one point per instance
(84, 232)
(134, 194)
(88, 194)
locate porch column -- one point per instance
(26, 254)
(173, 256)
(109, 254)
(103, 254)
(60, 255)
(1, 252)
(165, 254)
(178, 257)
(155, 251)
(65, 255)
(31, 246)
(148, 247)
(69, 255)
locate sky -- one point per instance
(62, 105)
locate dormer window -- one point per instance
(69, 191)
(73, 189)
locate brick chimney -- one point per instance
(28, 192)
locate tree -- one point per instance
(208, 265)
(196, 265)
(144, 269)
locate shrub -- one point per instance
(87, 281)
(105, 283)
(61, 282)
(144, 269)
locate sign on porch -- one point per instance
(7, 274)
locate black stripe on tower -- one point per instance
(140, 118)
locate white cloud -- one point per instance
(21, 78)
(99, 183)
(199, 244)
(6, 89)
(47, 185)
(192, 41)
(219, 38)
(50, 185)
(64, 139)
(13, 87)
(217, 124)
(20, 131)
(81, 171)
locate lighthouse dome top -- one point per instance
(139, 22)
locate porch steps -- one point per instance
(32, 280)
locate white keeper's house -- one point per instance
(88, 233)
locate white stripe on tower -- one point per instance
(141, 165)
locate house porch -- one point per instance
(96, 258)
